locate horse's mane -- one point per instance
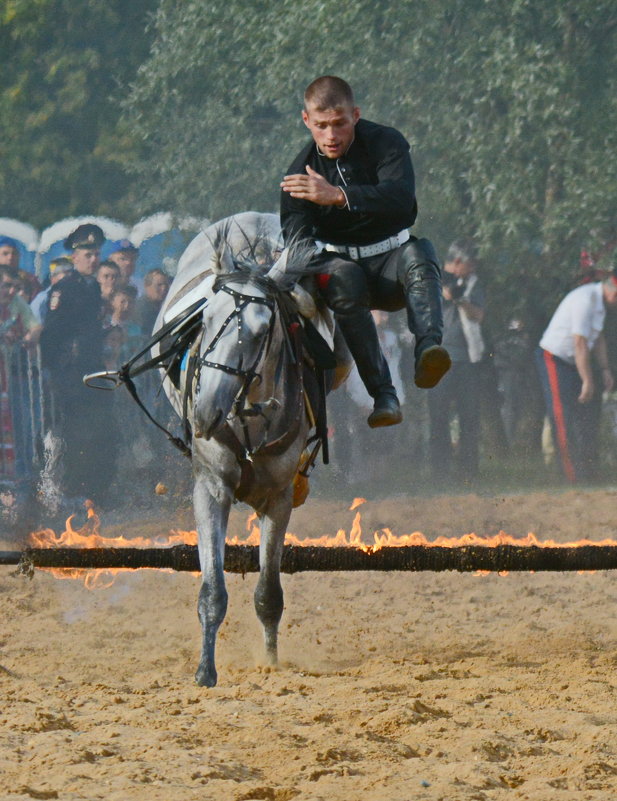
(243, 276)
(255, 252)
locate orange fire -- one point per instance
(89, 536)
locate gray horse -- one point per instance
(241, 389)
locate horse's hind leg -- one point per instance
(268, 592)
(211, 516)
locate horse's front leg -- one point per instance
(212, 505)
(268, 592)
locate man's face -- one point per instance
(460, 268)
(157, 289)
(125, 259)
(108, 280)
(86, 260)
(333, 129)
(9, 256)
(122, 306)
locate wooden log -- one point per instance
(296, 559)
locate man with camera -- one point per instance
(463, 311)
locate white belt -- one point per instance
(364, 251)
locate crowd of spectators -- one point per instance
(90, 316)
(514, 398)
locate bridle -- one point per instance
(183, 330)
(241, 301)
(241, 409)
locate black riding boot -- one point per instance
(422, 282)
(358, 329)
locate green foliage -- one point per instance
(63, 67)
(510, 106)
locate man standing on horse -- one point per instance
(351, 191)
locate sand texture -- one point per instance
(391, 687)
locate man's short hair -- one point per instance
(328, 92)
(129, 290)
(149, 276)
(111, 265)
(463, 249)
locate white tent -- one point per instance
(51, 244)
(20, 231)
(164, 221)
(161, 239)
(59, 231)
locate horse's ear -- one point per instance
(221, 260)
(279, 268)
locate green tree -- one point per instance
(510, 106)
(64, 65)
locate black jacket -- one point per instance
(378, 179)
(72, 335)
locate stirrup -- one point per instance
(102, 379)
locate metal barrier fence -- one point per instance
(26, 411)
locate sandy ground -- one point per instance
(392, 687)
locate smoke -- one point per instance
(48, 487)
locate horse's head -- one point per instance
(238, 329)
(239, 326)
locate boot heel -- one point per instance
(432, 365)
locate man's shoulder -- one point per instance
(72, 292)
(302, 158)
(586, 293)
(373, 132)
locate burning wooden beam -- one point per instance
(296, 559)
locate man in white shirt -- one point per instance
(571, 344)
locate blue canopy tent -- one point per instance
(161, 239)
(27, 239)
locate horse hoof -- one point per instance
(205, 677)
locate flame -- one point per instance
(89, 536)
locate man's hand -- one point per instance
(582, 359)
(586, 392)
(313, 187)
